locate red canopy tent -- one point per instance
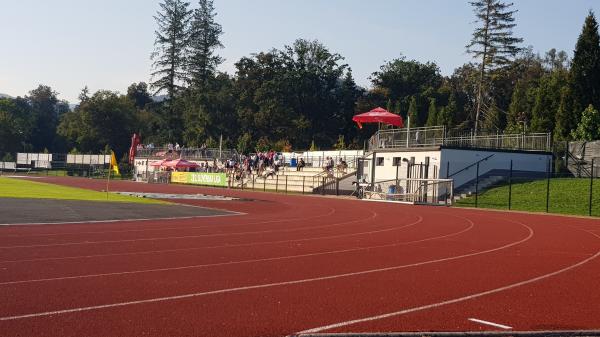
(378, 115)
(180, 163)
(160, 163)
(174, 164)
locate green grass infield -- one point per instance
(21, 188)
(566, 196)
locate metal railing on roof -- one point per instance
(185, 153)
(440, 136)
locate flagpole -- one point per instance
(108, 180)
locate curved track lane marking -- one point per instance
(278, 258)
(28, 224)
(373, 215)
(190, 236)
(420, 219)
(267, 285)
(456, 300)
(331, 212)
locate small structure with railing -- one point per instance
(432, 155)
(440, 136)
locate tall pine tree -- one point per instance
(493, 43)
(585, 69)
(518, 111)
(432, 114)
(204, 36)
(413, 112)
(447, 113)
(170, 45)
(565, 121)
(491, 120)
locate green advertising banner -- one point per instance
(199, 178)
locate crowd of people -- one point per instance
(264, 165)
(261, 164)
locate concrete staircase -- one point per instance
(288, 179)
(484, 183)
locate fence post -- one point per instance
(323, 187)
(337, 186)
(373, 162)
(510, 173)
(276, 182)
(548, 186)
(591, 187)
(477, 187)
(264, 184)
(286, 178)
(303, 179)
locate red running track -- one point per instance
(299, 264)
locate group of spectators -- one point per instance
(262, 164)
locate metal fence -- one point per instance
(577, 157)
(439, 136)
(411, 190)
(413, 137)
(514, 189)
(69, 170)
(185, 153)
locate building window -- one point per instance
(397, 161)
(380, 161)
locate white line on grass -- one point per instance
(496, 325)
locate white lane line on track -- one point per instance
(459, 299)
(220, 246)
(25, 224)
(373, 214)
(269, 285)
(223, 245)
(496, 325)
(471, 225)
(330, 212)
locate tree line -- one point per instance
(303, 95)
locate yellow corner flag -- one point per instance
(113, 164)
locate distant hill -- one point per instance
(5, 95)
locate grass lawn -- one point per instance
(21, 188)
(567, 196)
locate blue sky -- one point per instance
(106, 44)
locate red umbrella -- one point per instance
(180, 163)
(378, 115)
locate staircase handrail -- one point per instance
(469, 166)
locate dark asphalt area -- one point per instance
(31, 211)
